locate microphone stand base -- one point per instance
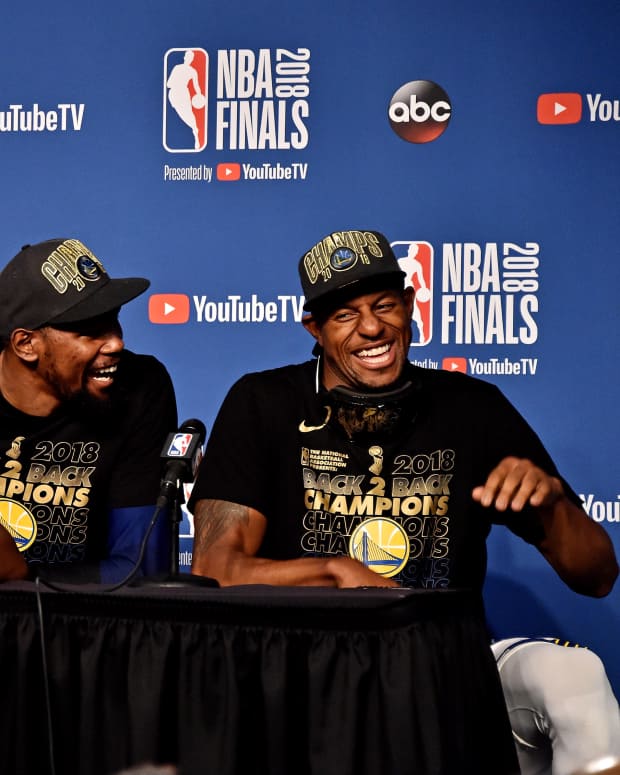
(175, 581)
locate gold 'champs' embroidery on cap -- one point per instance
(71, 263)
(318, 261)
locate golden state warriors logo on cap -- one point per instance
(342, 259)
(19, 522)
(381, 544)
(70, 264)
(89, 269)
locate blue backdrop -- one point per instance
(291, 126)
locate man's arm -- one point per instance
(579, 549)
(227, 537)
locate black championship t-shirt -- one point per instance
(400, 503)
(60, 474)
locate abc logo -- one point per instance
(419, 111)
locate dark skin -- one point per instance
(365, 343)
(42, 368)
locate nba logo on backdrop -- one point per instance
(416, 261)
(185, 100)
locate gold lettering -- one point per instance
(440, 547)
(13, 469)
(383, 504)
(15, 488)
(339, 505)
(52, 475)
(36, 472)
(373, 244)
(411, 506)
(321, 501)
(51, 275)
(362, 505)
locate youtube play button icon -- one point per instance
(228, 171)
(169, 308)
(559, 108)
(455, 364)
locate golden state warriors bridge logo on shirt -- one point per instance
(19, 522)
(381, 544)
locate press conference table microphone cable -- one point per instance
(182, 453)
(168, 581)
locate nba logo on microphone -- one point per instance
(179, 445)
(416, 261)
(186, 77)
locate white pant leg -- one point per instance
(561, 706)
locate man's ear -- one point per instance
(23, 342)
(312, 327)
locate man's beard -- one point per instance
(81, 402)
(84, 404)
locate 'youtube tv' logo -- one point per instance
(169, 308)
(228, 171)
(559, 108)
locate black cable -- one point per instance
(39, 582)
(46, 685)
(104, 588)
(136, 568)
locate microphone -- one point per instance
(182, 453)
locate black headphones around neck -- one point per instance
(362, 414)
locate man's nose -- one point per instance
(113, 340)
(369, 324)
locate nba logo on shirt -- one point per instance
(416, 261)
(179, 445)
(186, 73)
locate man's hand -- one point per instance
(348, 572)
(12, 564)
(516, 482)
(578, 548)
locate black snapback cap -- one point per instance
(343, 263)
(59, 281)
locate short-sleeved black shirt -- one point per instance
(60, 474)
(401, 504)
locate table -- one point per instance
(250, 680)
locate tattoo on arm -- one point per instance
(213, 518)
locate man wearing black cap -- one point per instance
(83, 420)
(360, 469)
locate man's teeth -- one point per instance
(105, 373)
(374, 351)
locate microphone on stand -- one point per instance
(182, 454)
